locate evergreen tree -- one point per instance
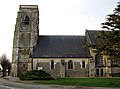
(110, 39)
(113, 20)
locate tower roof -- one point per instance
(28, 6)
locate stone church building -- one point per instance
(59, 55)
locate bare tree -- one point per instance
(5, 63)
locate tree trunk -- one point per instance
(4, 72)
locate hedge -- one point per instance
(35, 75)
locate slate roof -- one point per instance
(61, 46)
(92, 36)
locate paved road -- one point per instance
(12, 85)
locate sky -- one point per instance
(57, 17)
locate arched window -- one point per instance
(26, 20)
(70, 64)
(83, 64)
(52, 64)
(98, 59)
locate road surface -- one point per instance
(4, 84)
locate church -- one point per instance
(58, 55)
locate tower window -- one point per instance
(52, 64)
(26, 21)
(70, 64)
(23, 65)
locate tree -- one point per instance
(110, 39)
(112, 36)
(5, 63)
(113, 20)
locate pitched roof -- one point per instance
(61, 46)
(92, 36)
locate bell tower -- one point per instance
(25, 38)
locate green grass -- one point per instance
(99, 82)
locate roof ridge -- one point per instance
(93, 30)
(62, 35)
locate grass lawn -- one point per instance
(99, 82)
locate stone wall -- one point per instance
(25, 38)
(115, 71)
(61, 70)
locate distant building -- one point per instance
(61, 56)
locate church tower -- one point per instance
(25, 38)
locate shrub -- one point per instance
(35, 75)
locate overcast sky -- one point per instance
(57, 17)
